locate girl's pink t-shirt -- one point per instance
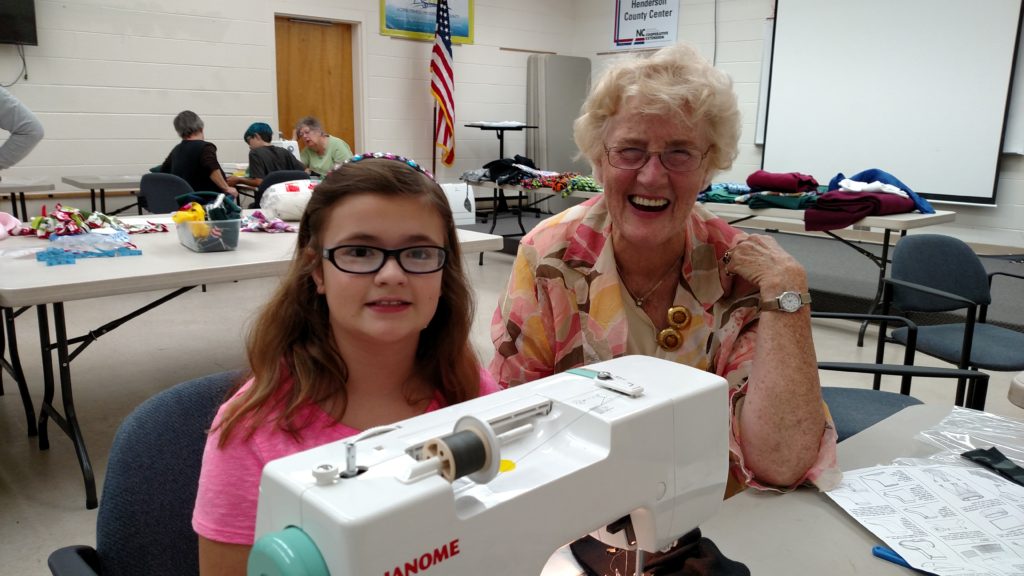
(229, 484)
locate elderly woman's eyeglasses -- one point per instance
(358, 259)
(673, 159)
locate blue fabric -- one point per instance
(874, 174)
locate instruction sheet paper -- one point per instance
(948, 520)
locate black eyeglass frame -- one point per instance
(328, 254)
(659, 154)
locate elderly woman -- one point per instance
(642, 269)
(194, 159)
(322, 151)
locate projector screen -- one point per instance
(917, 88)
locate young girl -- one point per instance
(370, 326)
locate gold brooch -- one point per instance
(670, 338)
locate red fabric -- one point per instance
(835, 210)
(782, 182)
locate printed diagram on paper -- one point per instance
(949, 520)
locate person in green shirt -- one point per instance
(322, 152)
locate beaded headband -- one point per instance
(389, 156)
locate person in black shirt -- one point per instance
(194, 159)
(264, 157)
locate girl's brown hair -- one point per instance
(292, 333)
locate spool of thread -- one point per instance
(471, 450)
(461, 453)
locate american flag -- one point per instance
(442, 85)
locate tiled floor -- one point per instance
(42, 503)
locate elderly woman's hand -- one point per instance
(761, 261)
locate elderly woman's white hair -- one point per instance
(676, 82)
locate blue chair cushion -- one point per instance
(993, 348)
(854, 409)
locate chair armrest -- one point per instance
(993, 274)
(74, 561)
(932, 291)
(865, 316)
(903, 370)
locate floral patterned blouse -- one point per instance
(564, 307)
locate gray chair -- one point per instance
(854, 409)
(157, 192)
(933, 273)
(276, 177)
(144, 524)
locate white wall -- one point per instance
(108, 77)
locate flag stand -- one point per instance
(433, 142)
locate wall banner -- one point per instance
(645, 23)
(416, 19)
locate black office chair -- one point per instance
(276, 177)
(157, 192)
(933, 273)
(144, 524)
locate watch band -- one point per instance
(773, 304)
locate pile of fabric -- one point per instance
(521, 171)
(843, 202)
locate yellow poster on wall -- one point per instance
(416, 19)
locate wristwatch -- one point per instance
(786, 302)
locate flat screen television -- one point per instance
(18, 22)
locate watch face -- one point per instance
(790, 301)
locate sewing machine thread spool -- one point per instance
(471, 450)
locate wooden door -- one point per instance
(314, 75)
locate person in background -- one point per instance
(194, 159)
(264, 157)
(643, 269)
(322, 152)
(25, 130)
(369, 326)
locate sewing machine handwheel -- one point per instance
(290, 552)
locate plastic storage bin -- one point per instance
(215, 236)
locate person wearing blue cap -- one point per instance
(264, 157)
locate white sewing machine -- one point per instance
(497, 484)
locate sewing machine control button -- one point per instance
(619, 385)
(325, 474)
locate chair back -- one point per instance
(940, 262)
(159, 190)
(144, 524)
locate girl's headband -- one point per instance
(389, 156)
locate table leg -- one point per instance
(68, 421)
(24, 209)
(92, 199)
(14, 204)
(13, 366)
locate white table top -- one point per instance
(105, 182)
(24, 185)
(804, 532)
(164, 264)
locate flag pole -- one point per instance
(433, 141)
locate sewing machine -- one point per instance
(496, 484)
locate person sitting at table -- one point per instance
(264, 157)
(369, 326)
(321, 152)
(643, 269)
(194, 159)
